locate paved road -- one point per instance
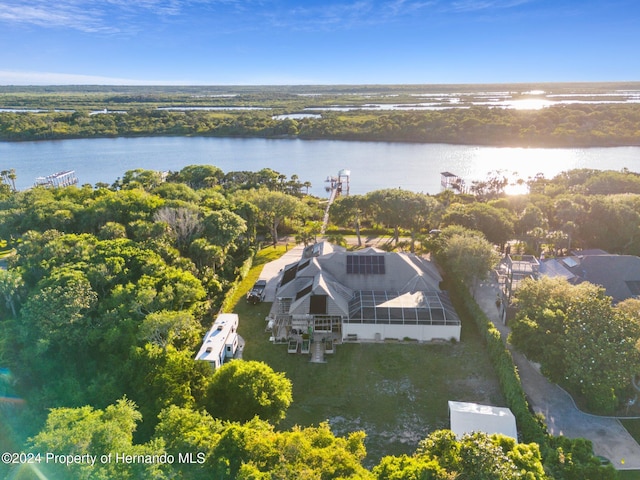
(609, 437)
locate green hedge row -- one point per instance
(583, 465)
(229, 299)
(530, 426)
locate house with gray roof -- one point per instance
(365, 295)
(618, 274)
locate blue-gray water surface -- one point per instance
(373, 165)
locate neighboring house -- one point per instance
(618, 274)
(221, 342)
(472, 417)
(511, 272)
(366, 295)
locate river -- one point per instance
(373, 165)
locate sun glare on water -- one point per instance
(530, 104)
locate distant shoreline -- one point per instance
(354, 139)
(536, 115)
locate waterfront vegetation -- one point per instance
(328, 113)
(109, 290)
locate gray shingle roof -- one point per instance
(618, 274)
(324, 272)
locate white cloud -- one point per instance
(477, 5)
(103, 16)
(68, 14)
(405, 7)
(346, 14)
(127, 16)
(330, 14)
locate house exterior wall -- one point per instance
(422, 333)
(303, 307)
(333, 308)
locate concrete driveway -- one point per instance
(609, 437)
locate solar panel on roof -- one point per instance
(303, 292)
(570, 262)
(288, 275)
(303, 265)
(365, 264)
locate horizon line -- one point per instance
(344, 84)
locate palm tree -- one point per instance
(12, 176)
(9, 177)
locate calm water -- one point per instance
(373, 165)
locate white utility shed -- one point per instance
(471, 417)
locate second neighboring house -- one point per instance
(365, 295)
(618, 274)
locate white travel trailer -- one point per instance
(221, 342)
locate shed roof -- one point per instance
(472, 417)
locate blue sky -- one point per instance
(254, 42)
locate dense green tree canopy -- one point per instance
(403, 209)
(111, 289)
(557, 126)
(95, 432)
(10, 286)
(348, 210)
(240, 390)
(580, 339)
(470, 257)
(198, 177)
(273, 208)
(494, 222)
(441, 456)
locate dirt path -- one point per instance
(609, 437)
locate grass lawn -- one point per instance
(633, 427)
(396, 393)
